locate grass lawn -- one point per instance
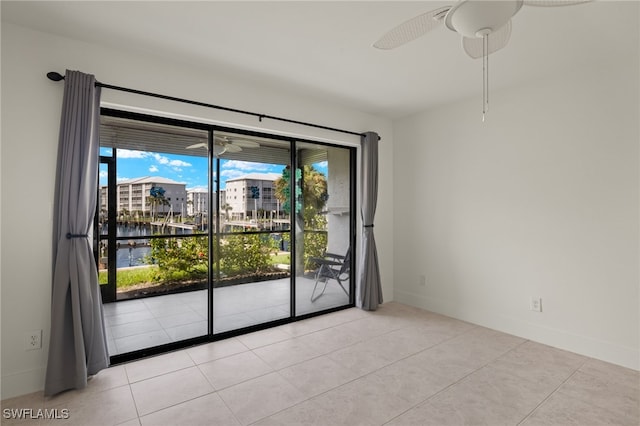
(280, 258)
(128, 277)
(131, 276)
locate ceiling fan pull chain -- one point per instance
(487, 78)
(485, 75)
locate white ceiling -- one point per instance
(323, 48)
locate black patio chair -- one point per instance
(332, 267)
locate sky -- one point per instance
(192, 171)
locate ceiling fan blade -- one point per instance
(232, 148)
(497, 40)
(412, 29)
(198, 145)
(245, 143)
(554, 3)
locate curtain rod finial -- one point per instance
(55, 76)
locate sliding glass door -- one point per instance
(205, 232)
(253, 264)
(153, 227)
(324, 227)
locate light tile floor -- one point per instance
(396, 366)
(153, 321)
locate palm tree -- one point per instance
(155, 200)
(310, 201)
(124, 212)
(190, 204)
(226, 207)
(314, 189)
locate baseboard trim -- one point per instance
(22, 383)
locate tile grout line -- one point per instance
(227, 406)
(177, 403)
(126, 374)
(457, 381)
(552, 393)
(134, 403)
(155, 376)
(358, 377)
(217, 391)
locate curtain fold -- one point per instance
(369, 283)
(78, 346)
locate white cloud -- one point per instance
(198, 188)
(165, 161)
(103, 174)
(323, 164)
(245, 165)
(230, 174)
(179, 163)
(127, 153)
(153, 169)
(160, 158)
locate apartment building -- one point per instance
(252, 192)
(133, 195)
(198, 201)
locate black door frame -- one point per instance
(109, 291)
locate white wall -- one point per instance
(540, 200)
(30, 120)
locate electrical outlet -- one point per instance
(423, 281)
(536, 304)
(33, 340)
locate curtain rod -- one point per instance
(55, 76)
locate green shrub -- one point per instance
(179, 258)
(187, 258)
(245, 254)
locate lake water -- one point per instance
(134, 252)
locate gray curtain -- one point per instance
(78, 346)
(369, 284)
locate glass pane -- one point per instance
(252, 270)
(161, 251)
(103, 253)
(323, 221)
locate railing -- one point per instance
(160, 263)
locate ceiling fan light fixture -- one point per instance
(477, 18)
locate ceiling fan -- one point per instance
(485, 27)
(224, 144)
(473, 19)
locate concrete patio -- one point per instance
(142, 323)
